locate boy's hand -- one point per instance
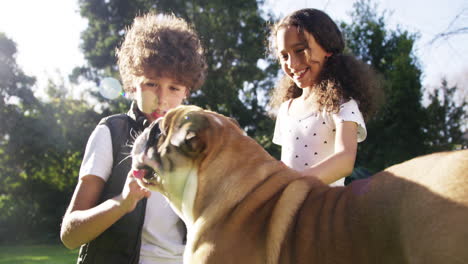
(132, 193)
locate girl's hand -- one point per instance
(132, 193)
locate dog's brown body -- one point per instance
(247, 207)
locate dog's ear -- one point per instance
(186, 136)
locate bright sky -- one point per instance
(47, 33)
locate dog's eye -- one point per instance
(192, 146)
(190, 140)
(188, 144)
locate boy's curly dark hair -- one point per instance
(342, 77)
(163, 45)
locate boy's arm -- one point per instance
(84, 220)
(341, 163)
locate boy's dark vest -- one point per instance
(120, 243)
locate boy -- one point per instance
(114, 219)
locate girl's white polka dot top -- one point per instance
(308, 139)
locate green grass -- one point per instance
(37, 254)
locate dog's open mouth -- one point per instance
(146, 174)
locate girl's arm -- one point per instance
(84, 220)
(341, 163)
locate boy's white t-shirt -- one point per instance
(308, 139)
(163, 234)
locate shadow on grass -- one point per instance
(37, 254)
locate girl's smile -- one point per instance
(301, 57)
(299, 75)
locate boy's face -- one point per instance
(157, 95)
(301, 59)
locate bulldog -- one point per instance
(241, 205)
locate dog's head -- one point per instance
(168, 155)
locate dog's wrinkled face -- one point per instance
(166, 155)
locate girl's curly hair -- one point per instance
(342, 77)
(164, 45)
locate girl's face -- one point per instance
(155, 95)
(301, 58)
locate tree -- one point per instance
(14, 86)
(396, 133)
(445, 119)
(40, 165)
(233, 34)
(41, 146)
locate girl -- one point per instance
(323, 97)
(114, 219)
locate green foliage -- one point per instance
(396, 133)
(445, 119)
(41, 145)
(14, 85)
(403, 129)
(40, 168)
